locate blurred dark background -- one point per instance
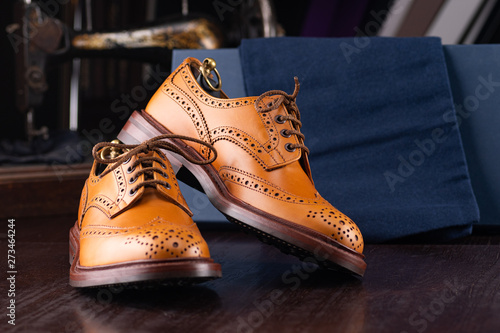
(107, 80)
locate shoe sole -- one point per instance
(140, 273)
(307, 244)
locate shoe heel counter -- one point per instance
(83, 203)
(173, 110)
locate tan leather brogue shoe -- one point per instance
(134, 225)
(261, 178)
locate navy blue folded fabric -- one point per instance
(476, 91)
(379, 120)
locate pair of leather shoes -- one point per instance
(249, 157)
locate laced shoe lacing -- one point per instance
(145, 158)
(293, 114)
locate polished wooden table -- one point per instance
(452, 287)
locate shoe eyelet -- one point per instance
(130, 170)
(289, 147)
(284, 133)
(132, 180)
(132, 192)
(279, 119)
(128, 160)
(167, 186)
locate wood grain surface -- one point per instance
(407, 288)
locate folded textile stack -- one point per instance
(378, 116)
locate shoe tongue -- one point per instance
(147, 164)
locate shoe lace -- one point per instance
(293, 113)
(141, 150)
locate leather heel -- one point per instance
(137, 129)
(74, 243)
